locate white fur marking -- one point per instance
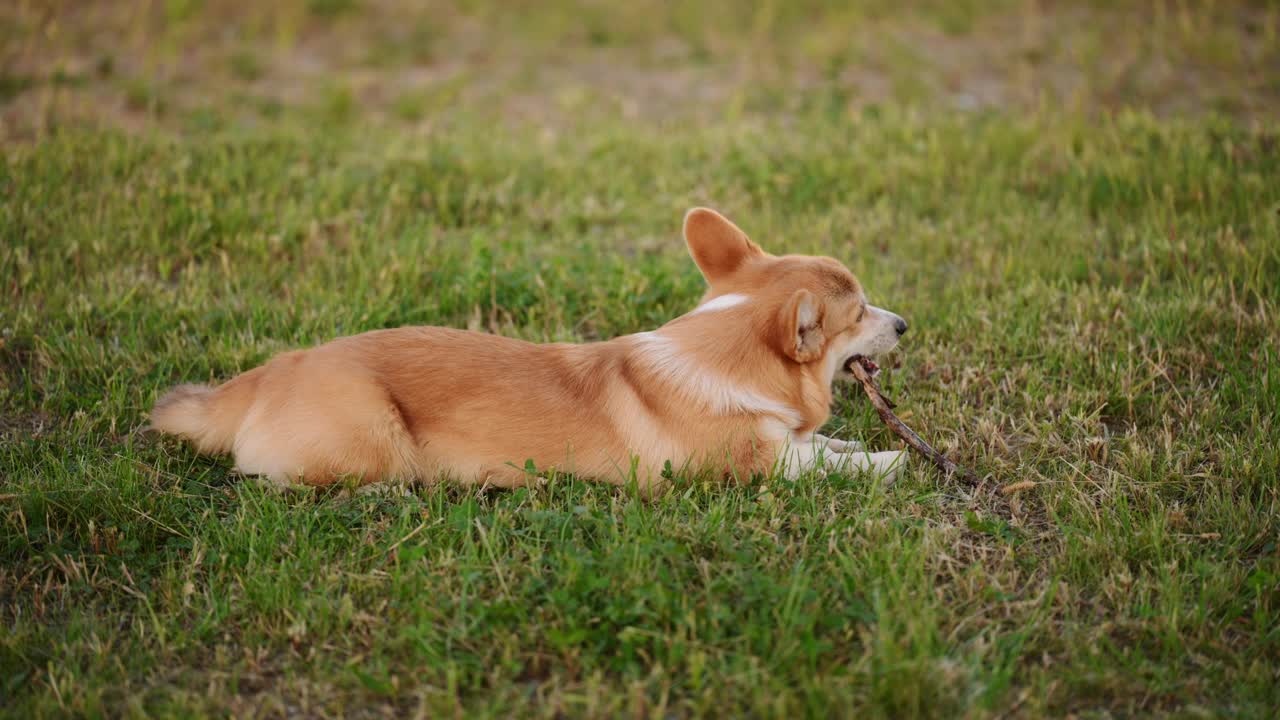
(875, 337)
(801, 453)
(723, 302)
(720, 394)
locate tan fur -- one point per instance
(734, 387)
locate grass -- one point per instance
(1093, 298)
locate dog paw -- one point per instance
(887, 465)
(844, 446)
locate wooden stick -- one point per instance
(884, 407)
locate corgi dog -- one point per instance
(737, 386)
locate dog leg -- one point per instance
(840, 446)
(882, 464)
(801, 454)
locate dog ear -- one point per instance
(800, 334)
(717, 245)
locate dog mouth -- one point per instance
(869, 365)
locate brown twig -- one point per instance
(884, 407)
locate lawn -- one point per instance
(1087, 249)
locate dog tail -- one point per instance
(207, 416)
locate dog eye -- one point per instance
(861, 311)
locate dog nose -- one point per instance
(900, 325)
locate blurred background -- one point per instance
(194, 66)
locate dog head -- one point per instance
(809, 309)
